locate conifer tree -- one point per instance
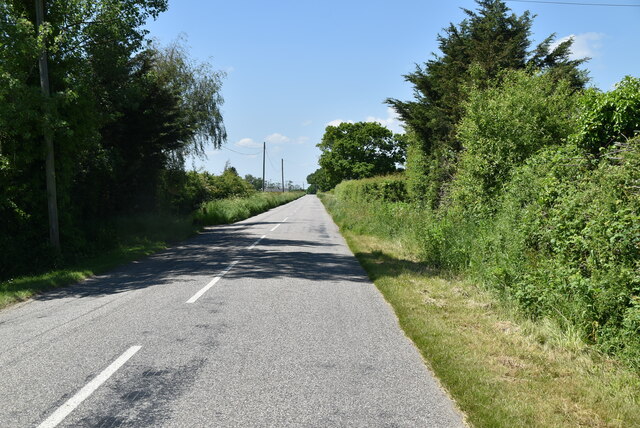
(489, 40)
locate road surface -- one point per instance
(267, 322)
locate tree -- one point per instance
(124, 114)
(358, 150)
(75, 34)
(318, 180)
(256, 182)
(488, 41)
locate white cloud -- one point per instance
(392, 121)
(584, 45)
(277, 139)
(249, 143)
(306, 123)
(338, 122)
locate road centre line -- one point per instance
(212, 282)
(224, 272)
(71, 404)
(256, 243)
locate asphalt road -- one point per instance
(224, 330)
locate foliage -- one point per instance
(607, 117)
(320, 180)
(358, 150)
(198, 87)
(477, 50)
(504, 125)
(235, 209)
(532, 214)
(390, 188)
(123, 115)
(255, 182)
(502, 369)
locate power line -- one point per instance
(240, 153)
(574, 3)
(271, 162)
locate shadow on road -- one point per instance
(210, 252)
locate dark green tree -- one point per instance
(359, 150)
(489, 40)
(256, 182)
(124, 114)
(318, 180)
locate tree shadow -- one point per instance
(210, 252)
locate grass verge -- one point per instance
(225, 211)
(502, 369)
(138, 237)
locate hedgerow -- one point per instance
(557, 228)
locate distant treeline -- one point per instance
(520, 177)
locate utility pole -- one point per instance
(264, 152)
(282, 167)
(52, 202)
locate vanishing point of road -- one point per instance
(269, 322)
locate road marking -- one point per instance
(71, 404)
(212, 283)
(285, 219)
(275, 227)
(256, 243)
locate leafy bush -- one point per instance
(532, 213)
(390, 188)
(503, 126)
(609, 116)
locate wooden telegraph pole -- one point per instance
(264, 152)
(282, 168)
(52, 202)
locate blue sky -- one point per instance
(295, 66)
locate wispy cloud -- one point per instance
(584, 45)
(277, 138)
(392, 121)
(306, 123)
(337, 122)
(248, 143)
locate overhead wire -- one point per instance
(574, 3)
(240, 153)
(271, 162)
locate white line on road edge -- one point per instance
(71, 404)
(212, 283)
(256, 243)
(275, 227)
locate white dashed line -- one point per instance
(211, 283)
(71, 404)
(275, 227)
(256, 243)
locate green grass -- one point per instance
(502, 369)
(131, 238)
(231, 210)
(22, 288)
